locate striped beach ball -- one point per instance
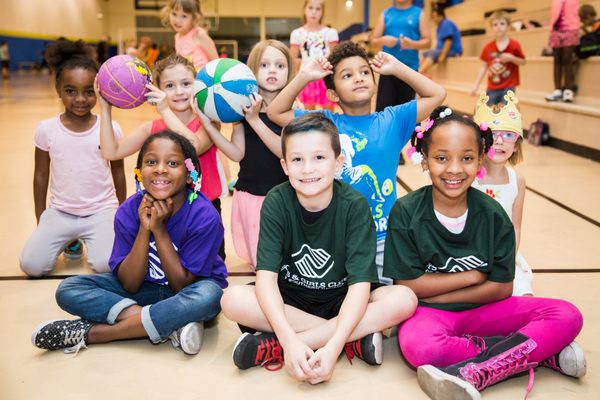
(223, 87)
(122, 81)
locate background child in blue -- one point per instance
(402, 30)
(448, 43)
(166, 275)
(454, 246)
(371, 142)
(315, 267)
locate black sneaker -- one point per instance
(188, 338)
(260, 349)
(62, 334)
(369, 349)
(74, 250)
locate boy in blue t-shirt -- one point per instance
(371, 142)
(448, 41)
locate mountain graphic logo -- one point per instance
(312, 263)
(458, 264)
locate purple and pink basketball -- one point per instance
(122, 81)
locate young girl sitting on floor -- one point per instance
(454, 246)
(166, 275)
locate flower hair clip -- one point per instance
(415, 156)
(195, 176)
(138, 180)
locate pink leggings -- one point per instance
(437, 337)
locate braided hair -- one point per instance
(65, 54)
(421, 139)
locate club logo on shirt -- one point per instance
(458, 264)
(154, 266)
(312, 263)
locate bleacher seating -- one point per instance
(574, 123)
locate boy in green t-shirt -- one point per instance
(316, 267)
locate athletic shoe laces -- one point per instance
(353, 349)
(269, 354)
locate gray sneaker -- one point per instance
(188, 338)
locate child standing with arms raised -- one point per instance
(501, 59)
(82, 194)
(166, 275)
(316, 267)
(502, 182)
(256, 145)
(173, 97)
(454, 247)
(371, 142)
(311, 41)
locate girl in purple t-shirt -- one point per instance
(166, 275)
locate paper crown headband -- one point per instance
(508, 117)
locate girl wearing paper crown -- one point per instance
(501, 181)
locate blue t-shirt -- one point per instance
(447, 30)
(196, 233)
(403, 22)
(371, 146)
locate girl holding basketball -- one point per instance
(172, 97)
(82, 190)
(256, 145)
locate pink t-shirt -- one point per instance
(185, 46)
(80, 179)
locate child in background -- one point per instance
(454, 246)
(589, 22)
(82, 194)
(311, 41)
(193, 42)
(166, 275)
(564, 37)
(448, 43)
(403, 30)
(502, 182)
(173, 97)
(315, 285)
(500, 61)
(256, 145)
(371, 142)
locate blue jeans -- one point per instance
(434, 54)
(496, 96)
(101, 298)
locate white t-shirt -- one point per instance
(313, 44)
(80, 179)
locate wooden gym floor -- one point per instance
(560, 239)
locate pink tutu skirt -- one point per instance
(314, 94)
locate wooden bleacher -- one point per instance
(574, 123)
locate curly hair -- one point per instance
(484, 137)
(65, 54)
(341, 52)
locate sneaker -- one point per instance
(464, 380)
(369, 349)
(557, 95)
(74, 250)
(569, 361)
(188, 338)
(62, 334)
(260, 349)
(568, 96)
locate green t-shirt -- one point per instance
(317, 261)
(418, 243)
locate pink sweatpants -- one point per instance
(437, 337)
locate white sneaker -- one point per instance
(188, 338)
(557, 95)
(568, 95)
(569, 361)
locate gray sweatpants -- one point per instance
(57, 229)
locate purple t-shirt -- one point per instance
(195, 230)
